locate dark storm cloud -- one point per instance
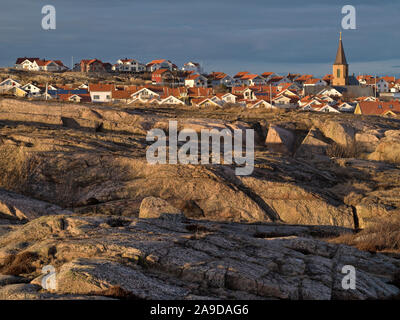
(254, 35)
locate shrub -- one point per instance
(380, 236)
(336, 150)
(19, 264)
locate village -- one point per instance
(161, 82)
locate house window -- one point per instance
(338, 73)
(108, 96)
(96, 97)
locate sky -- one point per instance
(223, 35)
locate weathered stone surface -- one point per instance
(17, 206)
(153, 208)
(340, 132)
(7, 279)
(161, 259)
(279, 140)
(312, 146)
(19, 292)
(388, 148)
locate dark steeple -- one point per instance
(340, 56)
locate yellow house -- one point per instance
(18, 92)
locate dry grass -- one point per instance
(335, 150)
(382, 236)
(19, 264)
(117, 292)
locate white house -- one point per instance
(172, 100)
(261, 104)
(145, 94)
(196, 80)
(330, 92)
(31, 89)
(8, 84)
(346, 107)
(128, 65)
(253, 80)
(101, 92)
(25, 63)
(229, 98)
(382, 85)
(192, 66)
(328, 108)
(160, 64)
(220, 78)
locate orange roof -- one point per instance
(122, 94)
(304, 77)
(379, 107)
(156, 62)
(200, 92)
(241, 74)
(193, 77)
(389, 79)
(249, 76)
(159, 71)
(100, 87)
(218, 75)
(267, 74)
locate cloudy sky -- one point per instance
(224, 35)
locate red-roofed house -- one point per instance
(25, 63)
(78, 98)
(160, 64)
(92, 65)
(220, 78)
(101, 92)
(253, 80)
(48, 65)
(161, 76)
(391, 108)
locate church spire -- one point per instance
(340, 56)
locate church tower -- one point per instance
(340, 67)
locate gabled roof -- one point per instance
(378, 107)
(217, 75)
(193, 76)
(304, 77)
(200, 92)
(250, 76)
(160, 71)
(20, 60)
(240, 74)
(90, 61)
(67, 96)
(156, 62)
(100, 87)
(267, 74)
